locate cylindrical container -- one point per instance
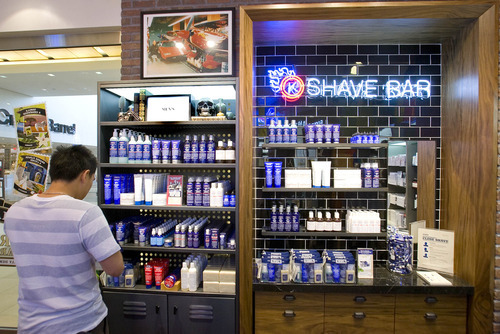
(108, 189)
(166, 156)
(190, 191)
(269, 166)
(198, 192)
(143, 230)
(176, 152)
(277, 174)
(156, 151)
(319, 133)
(328, 133)
(309, 133)
(116, 189)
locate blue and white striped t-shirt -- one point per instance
(55, 242)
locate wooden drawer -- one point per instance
(430, 302)
(431, 314)
(293, 312)
(343, 300)
(361, 313)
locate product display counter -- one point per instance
(387, 303)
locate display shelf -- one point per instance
(169, 165)
(183, 123)
(167, 208)
(323, 190)
(325, 145)
(137, 248)
(141, 288)
(303, 233)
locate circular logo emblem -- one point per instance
(292, 87)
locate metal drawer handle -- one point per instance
(360, 299)
(289, 314)
(359, 315)
(289, 298)
(430, 316)
(431, 300)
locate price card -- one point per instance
(436, 250)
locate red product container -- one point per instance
(148, 275)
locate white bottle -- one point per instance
(286, 132)
(272, 132)
(311, 222)
(219, 195)
(113, 147)
(184, 277)
(328, 222)
(320, 223)
(139, 148)
(131, 149)
(293, 132)
(279, 132)
(122, 148)
(146, 150)
(213, 190)
(192, 277)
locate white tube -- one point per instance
(148, 189)
(138, 189)
(326, 168)
(316, 174)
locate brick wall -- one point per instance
(406, 119)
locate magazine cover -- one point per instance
(32, 127)
(174, 190)
(31, 173)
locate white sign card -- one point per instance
(436, 250)
(168, 108)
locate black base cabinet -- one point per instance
(196, 315)
(136, 313)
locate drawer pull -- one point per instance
(289, 314)
(359, 315)
(289, 298)
(431, 300)
(430, 316)
(360, 299)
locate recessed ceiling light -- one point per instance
(3, 76)
(101, 51)
(51, 75)
(44, 89)
(98, 72)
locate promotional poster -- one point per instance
(32, 127)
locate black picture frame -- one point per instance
(179, 44)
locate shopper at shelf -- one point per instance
(56, 237)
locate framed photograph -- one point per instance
(168, 108)
(187, 43)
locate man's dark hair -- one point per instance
(67, 162)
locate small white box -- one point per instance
(210, 286)
(168, 108)
(227, 287)
(365, 263)
(346, 183)
(298, 178)
(211, 274)
(347, 173)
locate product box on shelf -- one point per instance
(298, 178)
(347, 178)
(174, 190)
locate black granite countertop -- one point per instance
(383, 282)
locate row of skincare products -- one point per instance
(322, 133)
(282, 133)
(127, 279)
(192, 272)
(321, 173)
(156, 235)
(365, 138)
(155, 271)
(285, 221)
(273, 173)
(306, 266)
(115, 185)
(339, 267)
(400, 249)
(220, 235)
(370, 175)
(211, 151)
(398, 160)
(397, 199)
(397, 178)
(219, 275)
(208, 191)
(188, 233)
(362, 221)
(327, 223)
(128, 146)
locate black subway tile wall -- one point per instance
(398, 118)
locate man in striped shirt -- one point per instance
(56, 237)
